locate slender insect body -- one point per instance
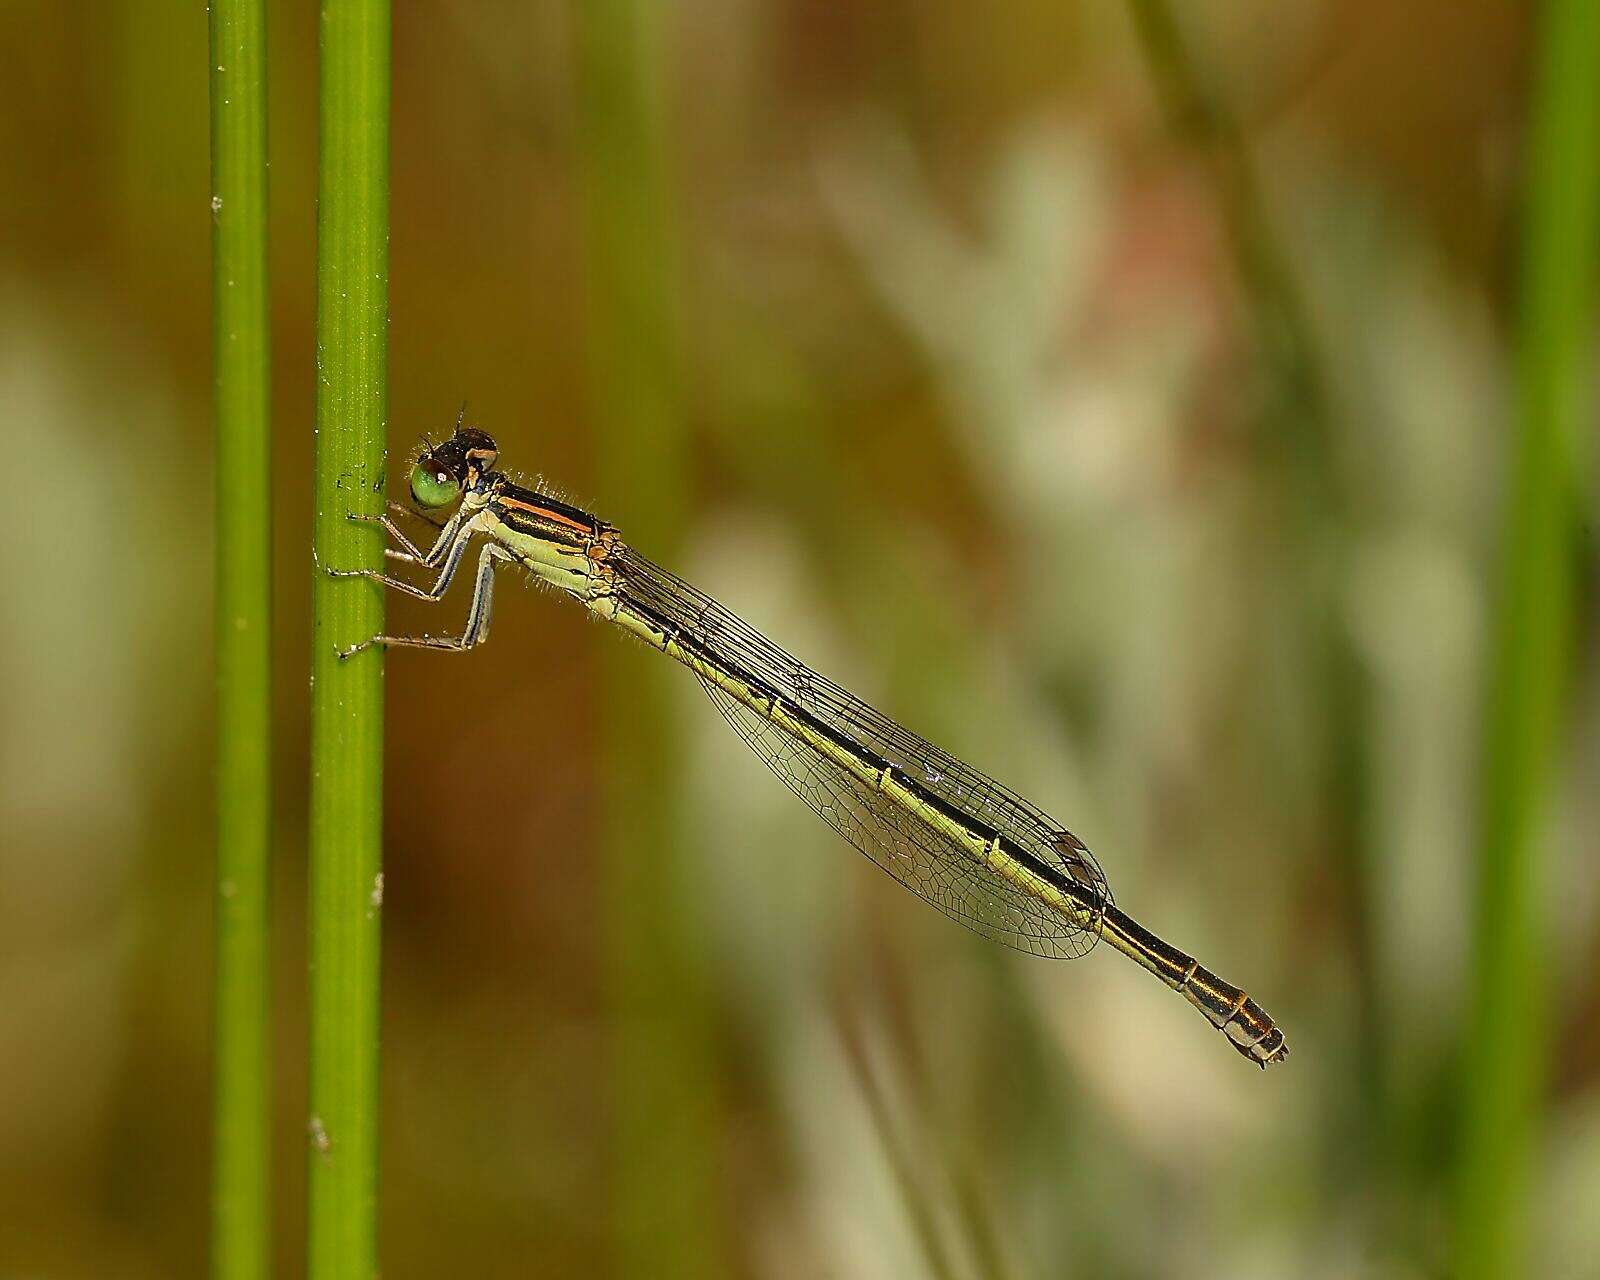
(970, 846)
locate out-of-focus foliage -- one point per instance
(989, 423)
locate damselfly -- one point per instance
(973, 848)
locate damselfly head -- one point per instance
(443, 473)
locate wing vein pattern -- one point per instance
(926, 861)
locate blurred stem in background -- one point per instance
(663, 1124)
(1505, 1054)
(1202, 119)
(241, 1230)
(1298, 425)
(347, 697)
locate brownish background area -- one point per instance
(989, 420)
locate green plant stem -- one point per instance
(1203, 120)
(664, 1108)
(1299, 426)
(241, 1100)
(347, 696)
(1505, 1059)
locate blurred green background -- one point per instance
(1132, 418)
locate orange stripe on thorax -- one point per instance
(545, 513)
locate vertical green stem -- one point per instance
(1505, 1058)
(347, 696)
(242, 1154)
(1299, 424)
(1201, 117)
(663, 1104)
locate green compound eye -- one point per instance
(433, 487)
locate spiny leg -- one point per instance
(477, 629)
(412, 553)
(409, 550)
(405, 510)
(452, 562)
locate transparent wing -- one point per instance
(934, 868)
(992, 804)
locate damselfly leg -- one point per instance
(479, 611)
(410, 552)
